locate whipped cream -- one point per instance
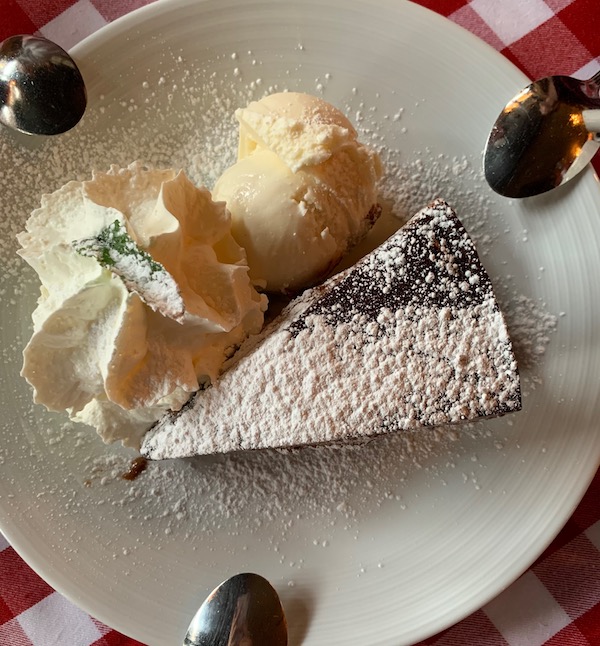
(144, 296)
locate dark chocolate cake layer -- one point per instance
(411, 336)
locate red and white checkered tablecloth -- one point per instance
(557, 601)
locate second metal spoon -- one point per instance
(244, 610)
(41, 89)
(544, 136)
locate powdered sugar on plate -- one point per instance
(195, 130)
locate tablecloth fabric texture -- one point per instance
(557, 601)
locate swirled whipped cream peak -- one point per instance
(144, 295)
(303, 191)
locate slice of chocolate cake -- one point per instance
(410, 336)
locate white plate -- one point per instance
(385, 544)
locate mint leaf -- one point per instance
(117, 251)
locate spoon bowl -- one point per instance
(544, 136)
(244, 610)
(42, 91)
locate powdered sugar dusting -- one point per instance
(243, 492)
(377, 349)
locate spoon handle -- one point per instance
(594, 85)
(591, 118)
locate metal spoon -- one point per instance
(41, 89)
(544, 136)
(243, 611)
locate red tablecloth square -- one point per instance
(11, 634)
(551, 49)
(583, 632)
(30, 590)
(480, 631)
(44, 11)
(6, 614)
(589, 625)
(584, 516)
(474, 23)
(571, 574)
(581, 17)
(557, 5)
(586, 513)
(16, 21)
(445, 7)
(113, 9)
(115, 639)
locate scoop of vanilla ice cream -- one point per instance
(303, 191)
(144, 295)
(301, 129)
